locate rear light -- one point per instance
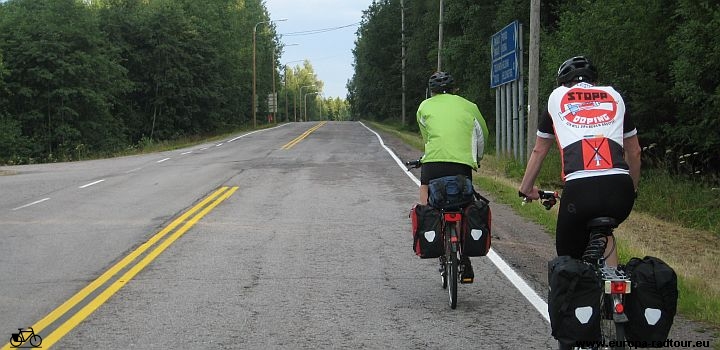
(619, 309)
(617, 287)
(453, 217)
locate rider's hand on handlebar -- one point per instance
(413, 164)
(529, 196)
(548, 199)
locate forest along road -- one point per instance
(296, 236)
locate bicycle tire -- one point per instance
(613, 333)
(35, 341)
(14, 343)
(453, 281)
(452, 270)
(444, 276)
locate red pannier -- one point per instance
(426, 230)
(475, 239)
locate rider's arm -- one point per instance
(483, 124)
(420, 118)
(632, 149)
(541, 149)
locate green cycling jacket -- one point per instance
(453, 130)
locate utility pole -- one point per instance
(402, 40)
(533, 74)
(440, 35)
(274, 92)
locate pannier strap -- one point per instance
(571, 291)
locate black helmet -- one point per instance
(576, 69)
(441, 82)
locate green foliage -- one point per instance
(684, 200)
(377, 68)
(79, 78)
(336, 109)
(696, 49)
(300, 84)
(62, 74)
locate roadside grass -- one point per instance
(673, 219)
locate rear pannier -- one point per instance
(574, 301)
(426, 230)
(476, 230)
(652, 304)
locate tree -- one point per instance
(62, 76)
(696, 49)
(377, 82)
(301, 76)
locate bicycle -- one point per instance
(615, 282)
(450, 266)
(18, 339)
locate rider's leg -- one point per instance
(423, 194)
(611, 253)
(467, 275)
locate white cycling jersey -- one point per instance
(589, 123)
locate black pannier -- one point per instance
(450, 192)
(475, 239)
(574, 301)
(652, 302)
(426, 230)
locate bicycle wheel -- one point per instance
(451, 261)
(14, 343)
(613, 334)
(452, 265)
(35, 340)
(444, 272)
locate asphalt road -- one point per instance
(291, 237)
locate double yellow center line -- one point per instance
(187, 220)
(301, 137)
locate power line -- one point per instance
(318, 31)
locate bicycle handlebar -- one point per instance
(413, 164)
(547, 198)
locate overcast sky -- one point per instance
(329, 52)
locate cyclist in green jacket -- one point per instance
(454, 132)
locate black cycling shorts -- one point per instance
(434, 170)
(588, 198)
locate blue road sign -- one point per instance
(504, 46)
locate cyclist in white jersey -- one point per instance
(600, 155)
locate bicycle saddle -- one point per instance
(602, 222)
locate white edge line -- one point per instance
(392, 154)
(92, 183)
(33, 203)
(252, 132)
(512, 276)
(519, 283)
(162, 160)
